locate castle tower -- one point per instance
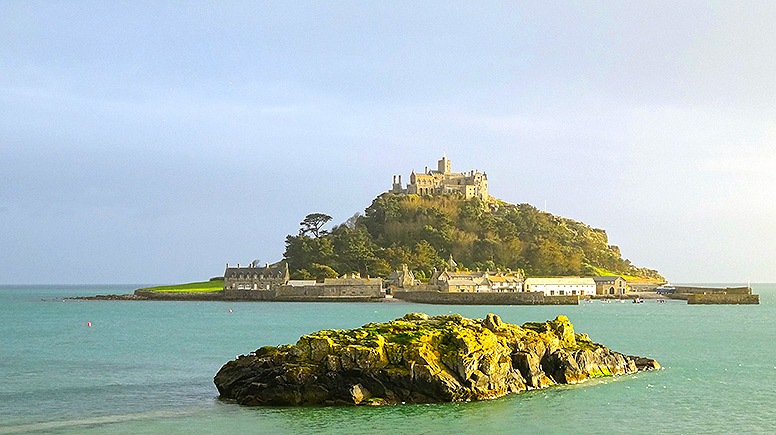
(472, 184)
(444, 166)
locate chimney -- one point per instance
(238, 265)
(267, 266)
(425, 171)
(227, 265)
(399, 178)
(394, 179)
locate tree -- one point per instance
(313, 223)
(321, 271)
(355, 249)
(421, 232)
(303, 251)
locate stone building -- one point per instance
(401, 278)
(472, 184)
(460, 281)
(642, 284)
(348, 287)
(256, 278)
(505, 282)
(610, 285)
(561, 286)
(353, 285)
(476, 281)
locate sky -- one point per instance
(153, 142)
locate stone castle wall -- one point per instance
(332, 290)
(308, 293)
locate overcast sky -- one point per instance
(154, 142)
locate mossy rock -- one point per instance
(420, 358)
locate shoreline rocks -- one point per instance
(420, 359)
(109, 297)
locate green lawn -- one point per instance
(207, 286)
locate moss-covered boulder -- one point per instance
(420, 359)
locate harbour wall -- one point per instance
(723, 299)
(713, 290)
(483, 298)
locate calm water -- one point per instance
(147, 367)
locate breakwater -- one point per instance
(712, 290)
(723, 299)
(715, 295)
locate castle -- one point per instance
(472, 184)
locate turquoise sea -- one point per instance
(148, 367)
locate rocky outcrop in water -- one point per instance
(420, 359)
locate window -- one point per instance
(561, 292)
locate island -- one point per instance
(442, 238)
(421, 359)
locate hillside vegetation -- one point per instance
(423, 232)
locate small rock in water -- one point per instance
(421, 359)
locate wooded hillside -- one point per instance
(422, 232)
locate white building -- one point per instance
(301, 282)
(561, 286)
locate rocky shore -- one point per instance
(110, 297)
(420, 359)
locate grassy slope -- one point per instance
(194, 287)
(598, 271)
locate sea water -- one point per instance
(148, 367)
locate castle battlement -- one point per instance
(472, 184)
